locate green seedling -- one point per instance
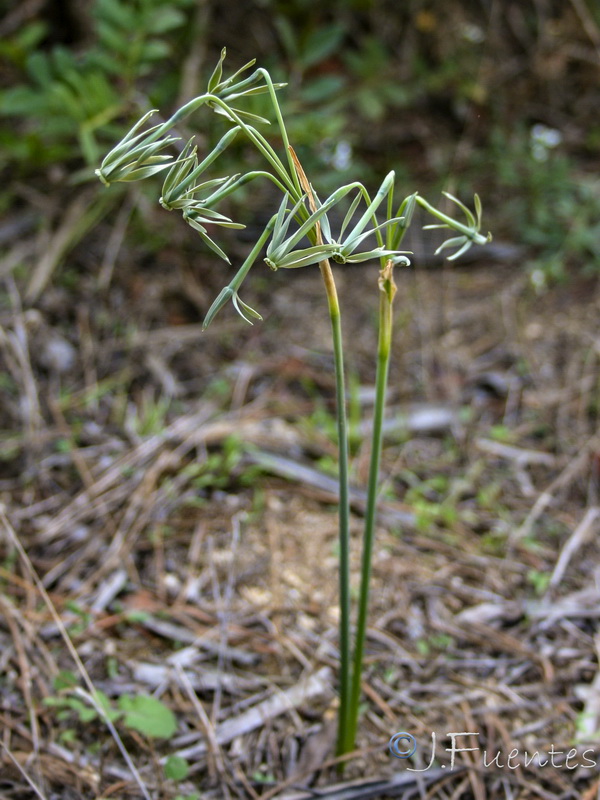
(299, 234)
(142, 713)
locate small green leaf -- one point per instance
(137, 615)
(53, 701)
(101, 700)
(165, 19)
(85, 713)
(320, 44)
(66, 679)
(148, 716)
(176, 768)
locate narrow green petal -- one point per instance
(253, 91)
(350, 214)
(405, 213)
(306, 256)
(467, 211)
(282, 225)
(215, 78)
(454, 242)
(310, 223)
(222, 298)
(227, 83)
(181, 168)
(351, 244)
(237, 302)
(378, 252)
(324, 221)
(198, 169)
(462, 250)
(478, 210)
(129, 136)
(386, 186)
(279, 230)
(143, 172)
(213, 246)
(201, 230)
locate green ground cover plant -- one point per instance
(66, 96)
(298, 235)
(555, 212)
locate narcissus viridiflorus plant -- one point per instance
(299, 234)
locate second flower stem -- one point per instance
(387, 291)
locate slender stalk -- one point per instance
(255, 137)
(344, 502)
(230, 291)
(259, 142)
(387, 291)
(220, 194)
(282, 128)
(343, 459)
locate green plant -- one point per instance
(555, 213)
(540, 581)
(142, 713)
(216, 469)
(300, 234)
(65, 96)
(150, 418)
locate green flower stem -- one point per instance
(258, 139)
(217, 151)
(344, 501)
(386, 297)
(231, 289)
(261, 144)
(228, 189)
(282, 129)
(180, 114)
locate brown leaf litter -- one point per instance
(175, 494)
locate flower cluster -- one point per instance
(300, 234)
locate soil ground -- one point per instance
(173, 490)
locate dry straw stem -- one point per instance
(16, 347)
(570, 473)
(80, 216)
(576, 540)
(312, 687)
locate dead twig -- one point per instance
(574, 468)
(573, 543)
(314, 686)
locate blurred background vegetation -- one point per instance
(497, 96)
